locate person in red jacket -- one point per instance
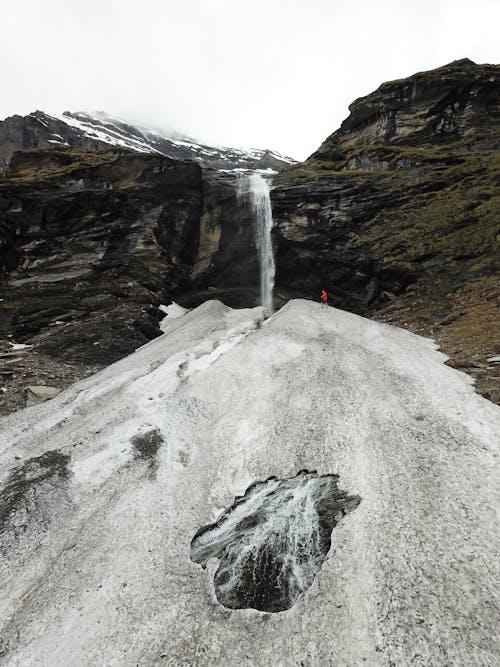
(324, 297)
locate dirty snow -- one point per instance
(100, 573)
(172, 312)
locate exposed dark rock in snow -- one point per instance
(272, 542)
(26, 498)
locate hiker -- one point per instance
(324, 297)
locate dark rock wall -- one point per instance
(37, 130)
(226, 266)
(99, 240)
(92, 243)
(371, 213)
(457, 101)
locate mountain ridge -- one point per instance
(99, 131)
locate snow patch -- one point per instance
(172, 312)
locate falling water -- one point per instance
(272, 542)
(257, 189)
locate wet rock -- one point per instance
(272, 542)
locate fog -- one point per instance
(269, 74)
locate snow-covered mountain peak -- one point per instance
(98, 130)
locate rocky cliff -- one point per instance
(396, 214)
(92, 243)
(94, 238)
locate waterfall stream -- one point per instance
(257, 189)
(273, 540)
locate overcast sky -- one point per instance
(266, 73)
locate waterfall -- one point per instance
(256, 188)
(272, 542)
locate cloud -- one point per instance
(235, 72)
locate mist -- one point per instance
(237, 73)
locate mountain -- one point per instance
(99, 131)
(360, 475)
(396, 214)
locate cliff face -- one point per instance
(458, 101)
(96, 239)
(396, 214)
(92, 243)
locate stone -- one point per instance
(39, 394)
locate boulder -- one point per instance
(39, 394)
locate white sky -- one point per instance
(266, 73)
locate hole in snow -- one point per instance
(273, 540)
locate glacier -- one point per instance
(104, 487)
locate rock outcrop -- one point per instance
(92, 243)
(396, 214)
(459, 101)
(98, 238)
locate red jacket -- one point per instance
(324, 296)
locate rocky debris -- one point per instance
(99, 131)
(466, 330)
(32, 368)
(396, 214)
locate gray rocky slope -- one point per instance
(104, 488)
